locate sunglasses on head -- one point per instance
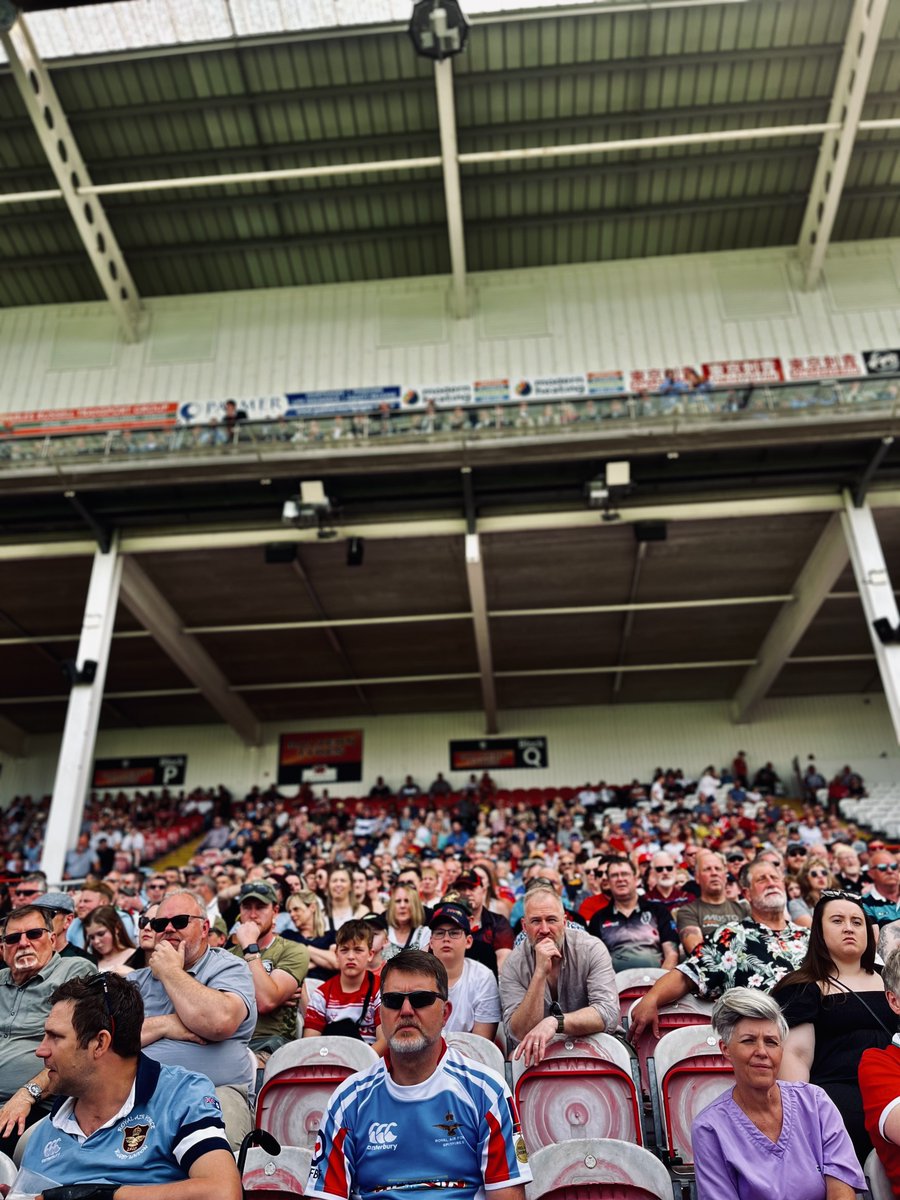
(33, 935)
(100, 980)
(841, 894)
(180, 921)
(394, 1000)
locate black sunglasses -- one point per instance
(180, 921)
(887, 867)
(33, 935)
(101, 981)
(394, 1000)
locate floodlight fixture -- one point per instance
(438, 29)
(309, 508)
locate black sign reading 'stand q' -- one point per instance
(881, 362)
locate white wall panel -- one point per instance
(616, 744)
(625, 315)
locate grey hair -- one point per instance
(891, 973)
(197, 899)
(746, 1004)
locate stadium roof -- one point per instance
(668, 94)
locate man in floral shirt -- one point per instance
(755, 952)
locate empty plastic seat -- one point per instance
(690, 1010)
(632, 983)
(597, 1169)
(877, 1178)
(687, 1072)
(476, 1047)
(583, 1088)
(278, 1176)
(298, 1080)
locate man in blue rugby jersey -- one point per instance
(425, 1117)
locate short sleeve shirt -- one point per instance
(280, 955)
(636, 940)
(172, 1119)
(457, 1134)
(475, 997)
(744, 954)
(225, 1062)
(331, 1003)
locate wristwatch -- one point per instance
(34, 1090)
(556, 1011)
(253, 948)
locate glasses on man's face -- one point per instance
(664, 870)
(394, 1000)
(19, 891)
(156, 885)
(33, 935)
(888, 867)
(453, 933)
(179, 921)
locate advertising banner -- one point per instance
(734, 371)
(499, 754)
(823, 366)
(332, 757)
(168, 770)
(94, 419)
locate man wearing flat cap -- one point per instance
(278, 967)
(61, 909)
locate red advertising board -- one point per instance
(94, 419)
(300, 753)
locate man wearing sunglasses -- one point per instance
(32, 971)
(424, 1118)
(882, 902)
(200, 1007)
(119, 1119)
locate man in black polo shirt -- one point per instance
(637, 932)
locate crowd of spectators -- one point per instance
(531, 900)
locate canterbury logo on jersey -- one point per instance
(381, 1134)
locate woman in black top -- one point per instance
(836, 1008)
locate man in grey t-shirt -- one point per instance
(200, 1007)
(697, 919)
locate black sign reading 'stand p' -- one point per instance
(881, 362)
(168, 770)
(499, 754)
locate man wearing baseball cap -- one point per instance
(61, 909)
(473, 993)
(278, 967)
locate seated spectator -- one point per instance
(60, 907)
(308, 930)
(491, 931)
(32, 970)
(765, 1129)
(473, 989)
(636, 931)
(380, 790)
(558, 980)
(699, 918)
(110, 946)
(596, 877)
(766, 780)
(200, 1007)
(847, 868)
(795, 856)
(79, 861)
(92, 895)
(882, 901)
(661, 884)
(879, 1083)
(350, 998)
(278, 967)
(814, 877)
(404, 922)
(439, 786)
(119, 1119)
(810, 833)
(754, 952)
(340, 903)
(836, 1008)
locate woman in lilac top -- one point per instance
(766, 1139)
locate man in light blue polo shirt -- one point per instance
(120, 1119)
(199, 1007)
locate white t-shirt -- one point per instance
(475, 997)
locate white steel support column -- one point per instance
(860, 46)
(820, 573)
(76, 756)
(478, 598)
(52, 127)
(876, 594)
(443, 82)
